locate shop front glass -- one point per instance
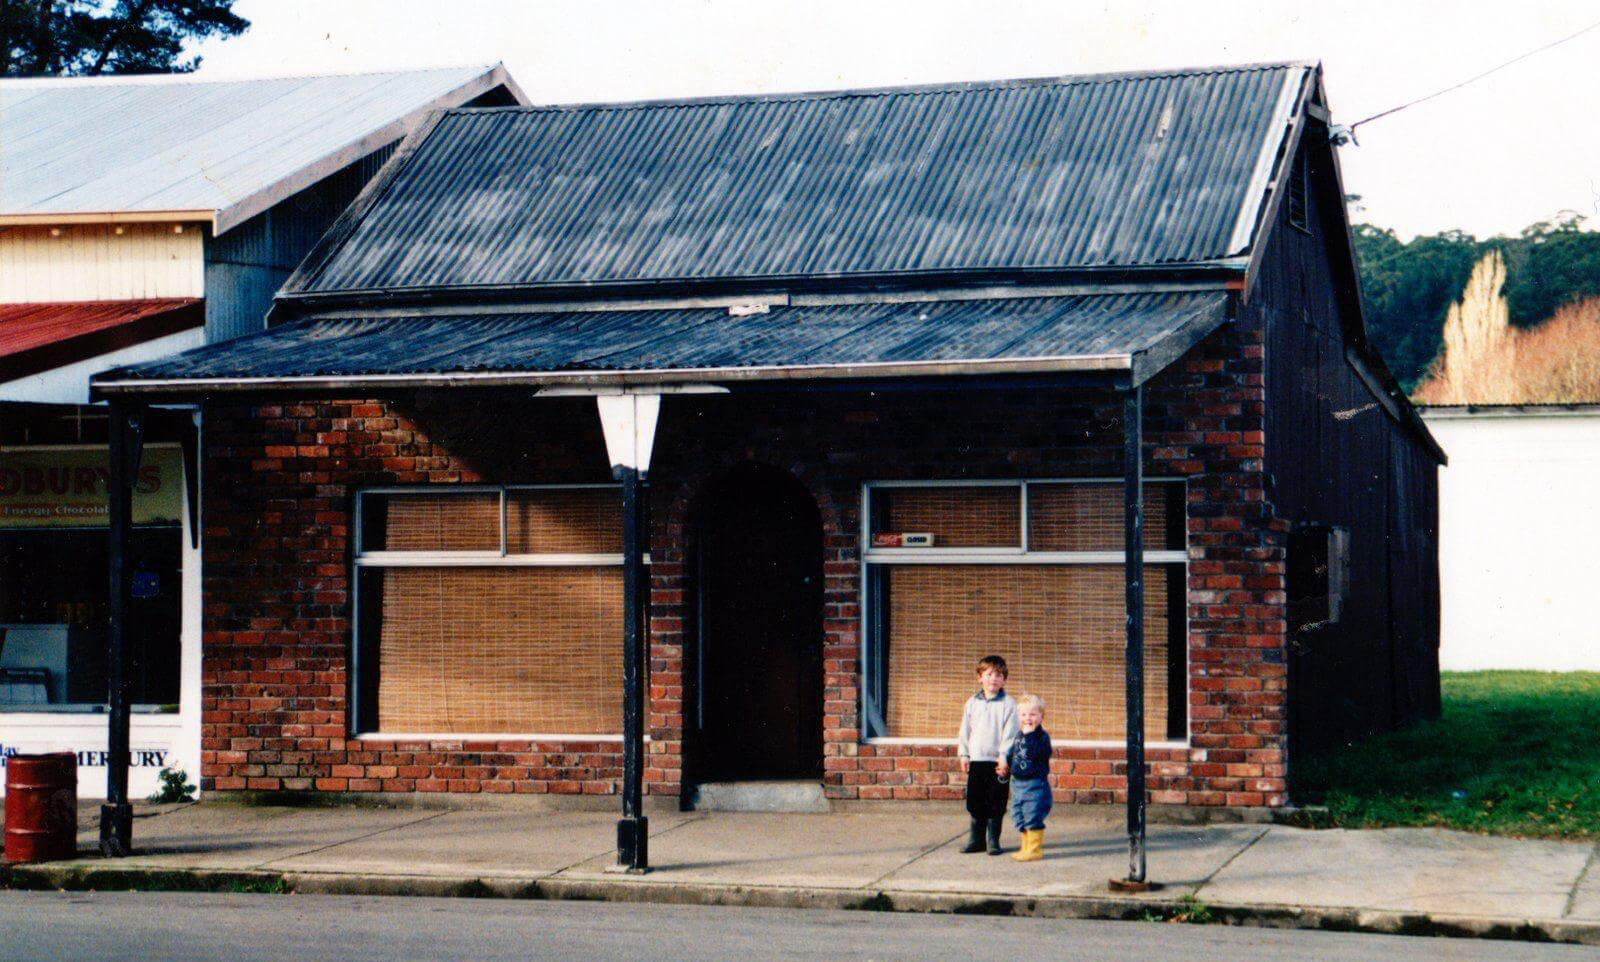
(54, 594)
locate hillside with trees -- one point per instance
(1532, 304)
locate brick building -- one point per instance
(886, 345)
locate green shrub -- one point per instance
(175, 787)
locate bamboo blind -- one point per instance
(513, 650)
(564, 521)
(436, 522)
(975, 517)
(1089, 517)
(1059, 627)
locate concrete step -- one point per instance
(764, 796)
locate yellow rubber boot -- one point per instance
(1032, 848)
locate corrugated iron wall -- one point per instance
(245, 266)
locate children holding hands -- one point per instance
(988, 729)
(1029, 761)
(1002, 740)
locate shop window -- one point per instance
(54, 597)
(489, 612)
(1053, 608)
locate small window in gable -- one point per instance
(1299, 194)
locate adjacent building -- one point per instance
(886, 350)
(140, 217)
(1519, 497)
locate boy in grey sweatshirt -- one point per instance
(988, 727)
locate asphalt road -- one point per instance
(87, 927)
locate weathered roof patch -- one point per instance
(1124, 170)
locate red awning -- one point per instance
(39, 337)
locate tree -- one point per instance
(1409, 287)
(1555, 263)
(1551, 266)
(1478, 364)
(1487, 360)
(86, 37)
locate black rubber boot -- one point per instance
(975, 843)
(994, 836)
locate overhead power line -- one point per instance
(1349, 132)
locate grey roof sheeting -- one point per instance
(1092, 171)
(130, 145)
(1135, 333)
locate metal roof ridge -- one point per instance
(1166, 272)
(773, 300)
(962, 86)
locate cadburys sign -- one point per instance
(66, 487)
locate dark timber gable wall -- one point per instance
(245, 266)
(1334, 456)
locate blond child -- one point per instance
(1029, 762)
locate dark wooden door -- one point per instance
(759, 696)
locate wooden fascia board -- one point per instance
(1276, 192)
(1353, 315)
(73, 218)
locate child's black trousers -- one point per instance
(986, 794)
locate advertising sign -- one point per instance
(65, 487)
(148, 756)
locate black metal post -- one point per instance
(1133, 577)
(633, 832)
(127, 438)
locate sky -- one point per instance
(1516, 148)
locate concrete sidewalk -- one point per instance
(1393, 880)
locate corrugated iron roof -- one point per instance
(1136, 333)
(124, 145)
(1090, 171)
(37, 337)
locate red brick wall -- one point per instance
(279, 491)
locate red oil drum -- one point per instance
(41, 807)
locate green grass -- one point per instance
(1512, 753)
(1188, 910)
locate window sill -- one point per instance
(1057, 743)
(87, 709)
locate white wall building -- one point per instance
(140, 217)
(1519, 520)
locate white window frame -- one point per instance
(1019, 555)
(456, 559)
(188, 597)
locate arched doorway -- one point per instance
(757, 685)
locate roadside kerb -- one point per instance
(77, 877)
